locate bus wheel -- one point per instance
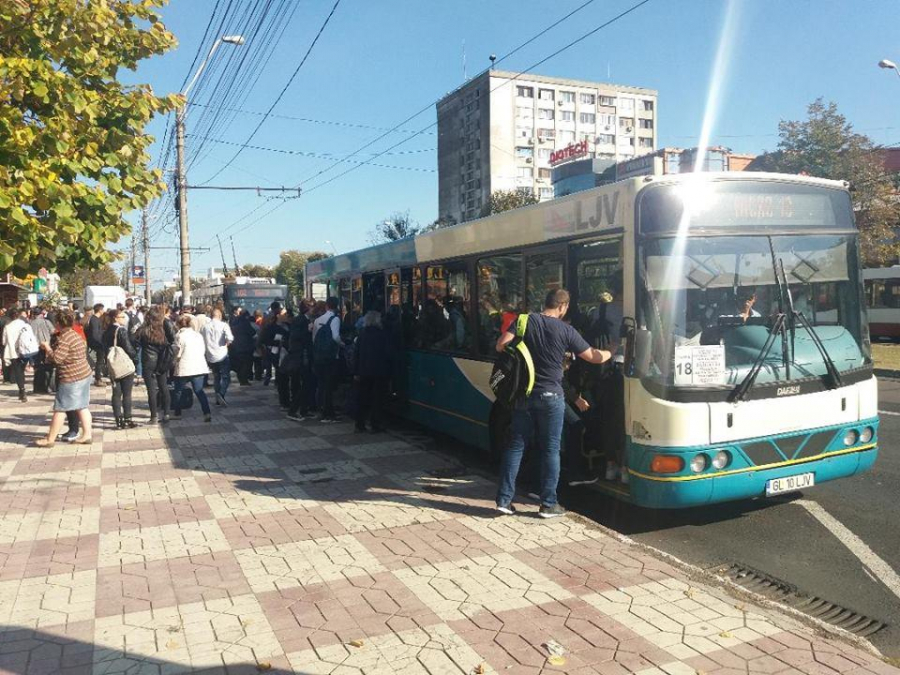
(501, 425)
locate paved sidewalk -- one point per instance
(258, 544)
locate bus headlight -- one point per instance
(721, 459)
(866, 435)
(699, 463)
(850, 437)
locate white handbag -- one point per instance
(117, 360)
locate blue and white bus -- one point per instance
(747, 369)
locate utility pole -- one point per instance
(131, 268)
(146, 236)
(237, 270)
(222, 252)
(184, 244)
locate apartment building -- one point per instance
(506, 131)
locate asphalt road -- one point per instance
(780, 537)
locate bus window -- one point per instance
(544, 274)
(597, 308)
(499, 297)
(373, 292)
(345, 301)
(319, 291)
(411, 302)
(355, 302)
(443, 322)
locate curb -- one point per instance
(702, 575)
(884, 372)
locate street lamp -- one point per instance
(889, 65)
(327, 241)
(184, 244)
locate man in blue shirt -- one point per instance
(539, 417)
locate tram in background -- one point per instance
(721, 401)
(882, 287)
(250, 293)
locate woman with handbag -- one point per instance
(190, 366)
(157, 357)
(120, 360)
(73, 392)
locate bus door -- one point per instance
(545, 270)
(597, 312)
(373, 290)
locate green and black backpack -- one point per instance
(513, 375)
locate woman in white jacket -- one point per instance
(190, 366)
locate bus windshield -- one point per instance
(712, 303)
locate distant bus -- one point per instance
(249, 293)
(882, 288)
(718, 404)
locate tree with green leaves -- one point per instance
(254, 270)
(72, 283)
(398, 226)
(506, 200)
(290, 269)
(825, 145)
(73, 152)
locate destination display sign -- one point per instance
(725, 204)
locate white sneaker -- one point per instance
(612, 471)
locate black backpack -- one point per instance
(513, 375)
(325, 349)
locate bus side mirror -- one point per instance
(638, 357)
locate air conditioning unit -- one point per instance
(559, 103)
(530, 141)
(528, 160)
(629, 129)
(608, 127)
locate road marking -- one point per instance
(888, 412)
(857, 546)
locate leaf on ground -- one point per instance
(357, 643)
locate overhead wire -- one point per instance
(506, 82)
(283, 91)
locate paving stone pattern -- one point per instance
(256, 544)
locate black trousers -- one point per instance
(326, 380)
(73, 421)
(296, 382)
(157, 393)
(99, 364)
(121, 397)
(43, 374)
(243, 365)
(283, 384)
(17, 370)
(372, 392)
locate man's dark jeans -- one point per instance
(537, 420)
(221, 371)
(326, 379)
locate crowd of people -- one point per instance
(178, 353)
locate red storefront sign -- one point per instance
(571, 151)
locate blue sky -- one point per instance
(379, 61)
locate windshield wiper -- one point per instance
(741, 390)
(833, 372)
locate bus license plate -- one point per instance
(778, 486)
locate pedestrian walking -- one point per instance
(117, 337)
(373, 370)
(73, 392)
(43, 372)
(4, 320)
(135, 321)
(278, 353)
(20, 348)
(95, 343)
(157, 356)
(298, 363)
(217, 336)
(241, 349)
(326, 352)
(538, 418)
(190, 366)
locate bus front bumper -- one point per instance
(744, 482)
